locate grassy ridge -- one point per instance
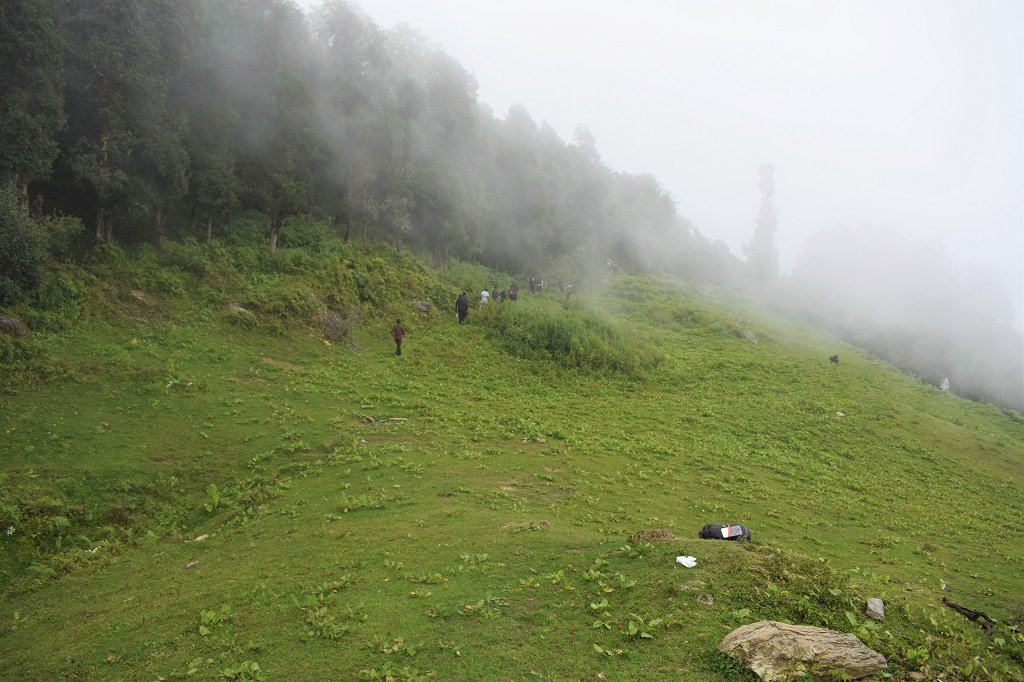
(465, 510)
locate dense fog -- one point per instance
(907, 117)
(908, 302)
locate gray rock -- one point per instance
(335, 326)
(778, 652)
(876, 608)
(12, 325)
(421, 306)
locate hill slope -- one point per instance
(189, 489)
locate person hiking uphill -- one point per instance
(462, 307)
(398, 334)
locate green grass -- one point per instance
(464, 511)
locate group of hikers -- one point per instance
(509, 294)
(462, 306)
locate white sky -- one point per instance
(906, 115)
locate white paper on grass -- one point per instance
(687, 561)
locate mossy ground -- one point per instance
(463, 511)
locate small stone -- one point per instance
(876, 608)
(840, 414)
(201, 537)
(368, 419)
(191, 564)
(918, 677)
(706, 599)
(142, 297)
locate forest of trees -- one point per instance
(153, 119)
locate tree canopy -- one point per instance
(153, 118)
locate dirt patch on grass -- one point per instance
(143, 298)
(539, 524)
(652, 535)
(513, 484)
(280, 363)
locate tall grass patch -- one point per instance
(673, 304)
(573, 338)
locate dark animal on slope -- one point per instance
(834, 359)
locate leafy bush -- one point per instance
(61, 232)
(22, 249)
(246, 229)
(472, 277)
(240, 317)
(301, 233)
(167, 281)
(281, 302)
(60, 301)
(572, 338)
(190, 256)
(296, 261)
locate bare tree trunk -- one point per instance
(100, 231)
(209, 228)
(195, 219)
(364, 235)
(23, 192)
(348, 229)
(275, 228)
(159, 223)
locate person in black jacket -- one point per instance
(462, 307)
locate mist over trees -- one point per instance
(165, 119)
(153, 119)
(761, 253)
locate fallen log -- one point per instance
(972, 615)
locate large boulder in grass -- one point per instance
(12, 325)
(778, 652)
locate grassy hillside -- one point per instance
(195, 485)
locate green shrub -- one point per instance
(572, 338)
(189, 256)
(245, 230)
(61, 232)
(59, 302)
(301, 233)
(12, 350)
(240, 317)
(22, 249)
(296, 261)
(164, 280)
(281, 301)
(472, 277)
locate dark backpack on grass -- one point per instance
(734, 531)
